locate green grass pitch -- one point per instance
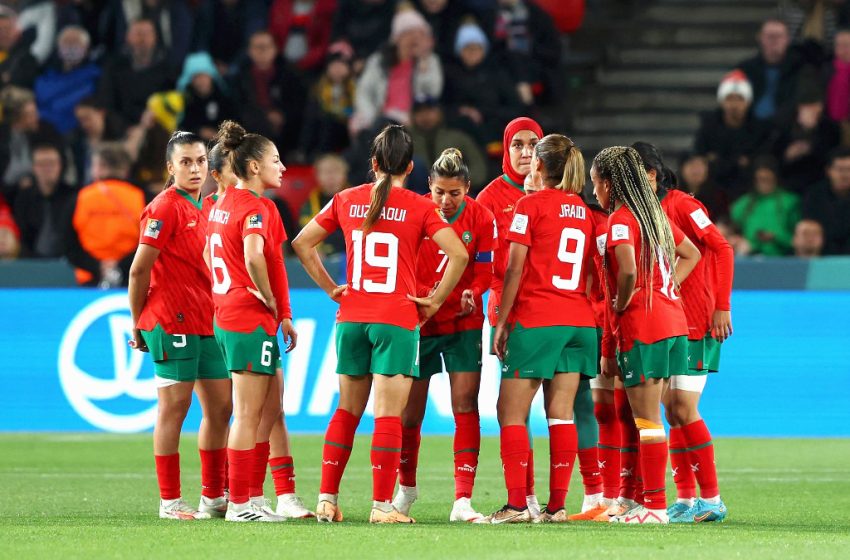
(94, 496)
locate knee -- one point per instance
(681, 413)
(174, 409)
(605, 413)
(464, 404)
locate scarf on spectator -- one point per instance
(516, 125)
(838, 92)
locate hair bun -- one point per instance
(230, 135)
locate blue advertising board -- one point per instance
(65, 366)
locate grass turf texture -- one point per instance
(95, 496)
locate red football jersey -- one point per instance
(597, 290)
(474, 225)
(699, 288)
(381, 262)
(500, 198)
(274, 256)
(641, 322)
(237, 214)
(179, 297)
(558, 230)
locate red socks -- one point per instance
(515, 463)
(339, 439)
(467, 443)
(653, 460)
(283, 475)
(258, 470)
(563, 445)
(701, 458)
(213, 463)
(683, 476)
(168, 476)
(609, 449)
(386, 455)
(629, 465)
(588, 466)
(241, 465)
(410, 438)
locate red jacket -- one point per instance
(318, 25)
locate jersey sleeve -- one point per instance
(328, 217)
(256, 220)
(694, 218)
(620, 231)
(520, 230)
(158, 224)
(678, 234)
(724, 268)
(434, 221)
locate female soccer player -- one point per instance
(546, 332)
(251, 298)
(172, 312)
(646, 319)
(500, 198)
(452, 336)
(221, 173)
(706, 297)
(376, 331)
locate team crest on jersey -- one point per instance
(466, 237)
(153, 228)
(255, 221)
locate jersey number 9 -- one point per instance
(574, 257)
(373, 259)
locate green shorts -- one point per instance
(492, 338)
(364, 348)
(256, 352)
(658, 360)
(179, 357)
(703, 355)
(541, 352)
(460, 351)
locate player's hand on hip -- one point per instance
(427, 307)
(721, 325)
(290, 336)
(609, 367)
(138, 341)
(467, 303)
(271, 303)
(336, 293)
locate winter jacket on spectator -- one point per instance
(58, 92)
(18, 67)
(444, 23)
(365, 25)
(302, 38)
(206, 98)
(780, 80)
(428, 144)
(326, 115)
(767, 221)
(830, 207)
(16, 154)
(125, 90)
(44, 220)
(803, 151)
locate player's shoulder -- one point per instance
(164, 201)
(478, 210)
(622, 215)
(488, 192)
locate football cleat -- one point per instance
(462, 510)
(290, 506)
(508, 515)
(591, 514)
(327, 512)
(591, 501)
(392, 516)
(216, 507)
(178, 509)
(641, 516)
(546, 516)
(705, 512)
(250, 511)
(404, 499)
(533, 506)
(680, 512)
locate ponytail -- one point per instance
(562, 161)
(392, 152)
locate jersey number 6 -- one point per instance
(220, 286)
(373, 259)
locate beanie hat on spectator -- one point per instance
(516, 125)
(470, 34)
(407, 20)
(166, 107)
(199, 63)
(735, 83)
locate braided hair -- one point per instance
(629, 185)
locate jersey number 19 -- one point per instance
(373, 259)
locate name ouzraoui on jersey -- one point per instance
(572, 211)
(388, 213)
(219, 216)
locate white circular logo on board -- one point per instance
(84, 390)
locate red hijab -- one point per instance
(516, 125)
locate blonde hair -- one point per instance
(450, 164)
(331, 158)
(629, 184)
(562, 161)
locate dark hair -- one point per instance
(837, 153)
(563, 163)
(774, 19)
(90, 101)
(766, 162)
(392, 150)
(216, 158)
(450, 165)
(665, 178)
(240, 146)
(180, 138)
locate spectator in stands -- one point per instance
(803, 144)
(96, 125)
(42, 20)
(206, 99)
(43, 212)
(773, 72)
(105, 225)
(224, 27)
(21, 129)
(444, 17)
(71, 77)
(132, 76)
(148, 141)
(17, 66)
(302, 31)
(695, 178)
(270, 94)
(731, 135)
(837, 79)
(331, 178)
(811, 20)
(173, 22)
(10, 244)
(767, 214)
(828, 202)
(808, 239)
(481, 95)
(530, 47)
(330, 104)
(733, 235)
(363, 24)
(431, 136)
(404, 69)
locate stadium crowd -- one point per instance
(92, 90)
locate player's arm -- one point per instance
(447, 240)
(140, 283)
(688, 257)
(304, 245)
(724, 271)
(258, 270)
(626, 276)
(516, 261)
